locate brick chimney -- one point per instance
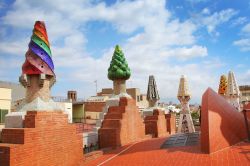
(72, 95)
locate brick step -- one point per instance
(93, 155)
(124, 102)
(111, 123)
(113, 116)
(109, 137)
(109, 129)
(151, 118)
(13, 136)
(116, 109)
(150, 121)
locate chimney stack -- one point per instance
(72, 95)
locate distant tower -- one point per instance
(232, 91)
(223, 85)
(185, 123)
(152, 93)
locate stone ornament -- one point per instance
(152, 93)
(223, 85)
(118, 68)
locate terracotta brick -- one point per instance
(221, 124)
(113, 116)
(121, 125)
(49, 140)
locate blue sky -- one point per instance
(199, 38)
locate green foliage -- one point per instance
(195, 115)
(118, 68)
(178, 106)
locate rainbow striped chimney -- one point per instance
(37, 77)
(38, 69)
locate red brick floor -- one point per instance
(149, 153)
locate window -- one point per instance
(2, 115)
(141, 98)
(138, 98)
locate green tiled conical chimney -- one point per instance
(119, 71)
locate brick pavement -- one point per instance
(149, 153)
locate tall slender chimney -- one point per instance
(152, 93)
(185, 123)
(232, 91)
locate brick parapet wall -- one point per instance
(156, 124)
(48, 140)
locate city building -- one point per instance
(68, 108)
(141, 99)
(5, 103)
(245, 93)
(172, 108)
(88, 111)
(66, 105)
(93, 107)
(17, 92)
(78, 112)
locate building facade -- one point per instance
(93, 106)
(66, 105)
(245, 93)
(141, 99)
(78, 112)
(17, 92)
(5, 103)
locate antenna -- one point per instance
(95, 86)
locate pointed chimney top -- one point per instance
(223, 85)
(183, 87)
(232, 86)
(39, 56)
(152, 93)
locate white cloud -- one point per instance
(240, 65)
(149, 51)
(14, 47)
(212, 21)
(126, 16)
(244, 44)
(213, 63)
(205, 11)
(187, 53)
(246, 30)
(197, 1)
(244, 78)
(239, 21)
